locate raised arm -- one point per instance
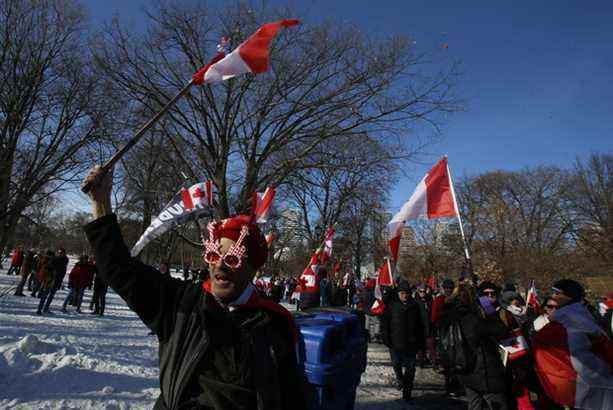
(147, 292)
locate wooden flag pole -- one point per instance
(122, 151)
(455, 203)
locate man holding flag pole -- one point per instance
(221, 346)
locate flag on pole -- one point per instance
(327, 251)
(187, 205)
(433, 198)
(199, 194)
(384, 278)
(531, 297)
(251, 56)
(269, 239)
(262, 203)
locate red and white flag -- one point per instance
(261, 204)
(531, 297)
(269, 239)
(198, 195)
(433, 198)
(327, 249)
(514, 346)
(384, 278)
(251, 56)
(574, 360)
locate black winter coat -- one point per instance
(59, 262)
(425, 310)
(482, 335)
(177, 312)
(401, 326)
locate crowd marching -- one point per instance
(490, 343)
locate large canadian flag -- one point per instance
(433, 198)
(574, 360)
(251, 56)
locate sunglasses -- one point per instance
(233, 258)
(489, 293)
(551, 306)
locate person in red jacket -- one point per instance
(81, 277)
(16, 261)
(309, 283)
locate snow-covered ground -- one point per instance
(82, 361)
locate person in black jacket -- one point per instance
(221, 346)
(59, 263)
(486, 381)
(403, 333)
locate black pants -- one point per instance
(99, 300)
(404, 367)
(493, 401)
(14, 269)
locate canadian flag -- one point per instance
(515, 346)
(433, 198)
(531, 297)
(198, 195)
(384, 278)
(262, 203)
(327, 251)
(251, 56)
(269, 239)
(574, 359)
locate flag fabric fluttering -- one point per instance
(384, 278)
(531, 296)
(269, 239)
(327, 248)
(251, 56)
(433, 198)
(573, 359)
(200, 194)
(187, 205)
(261, 204)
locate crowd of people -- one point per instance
(499, 351)
(43, 273)
(491, 344)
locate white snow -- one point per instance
(83, 361)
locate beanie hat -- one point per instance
(404, 286)
(508, 297)
(448, 284)
(486, 284)
(570, 288)
(254, 242)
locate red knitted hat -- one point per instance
(255, 242)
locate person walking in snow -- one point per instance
(99, 297)
(221, 345)
(59, 263)
(26, 271)
(403, 333)
(81, 277)
(16, 261)
(46, 281)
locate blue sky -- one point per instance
(537, 75)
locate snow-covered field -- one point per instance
(82, 361)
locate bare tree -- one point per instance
(518, 221)
(47, 103)
(591, 198)
(327, 81)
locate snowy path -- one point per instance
(81, 361)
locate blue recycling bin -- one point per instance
(333, 354)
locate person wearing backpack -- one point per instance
(403, 333)
(469, 345)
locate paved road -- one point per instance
(376, 391)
